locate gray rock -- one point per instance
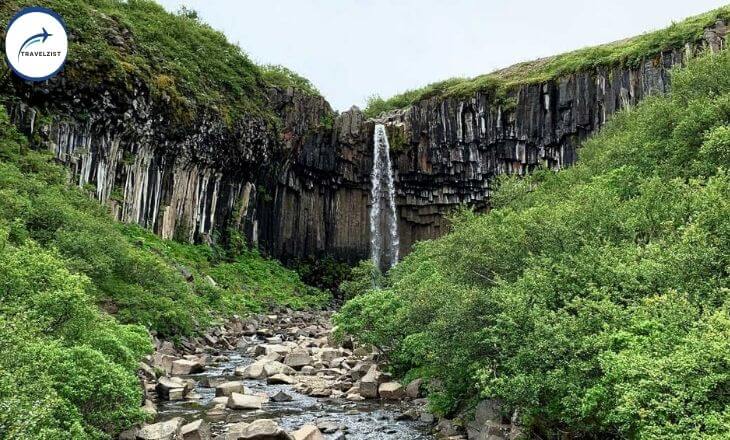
(413, 389)
(298, 359)
(197, 430)
(369, 383)
(168, 430)
(262, 429)
(308, 432)
(279, 379)
(281, 397)
(391, 391)
(227, 388)
(245, 402)
(185, 366)
(171, 388)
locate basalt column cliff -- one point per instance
(301, 186)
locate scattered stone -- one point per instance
(185, 366)
(149, 408)
(279, 379)
(252, 371)
(168, 430)
(308, 432)
(243, 401)
(262, 429)
(298, 359)
(227, 388)
(369, 383)
(281, 397)
(413, 389)
(327, 426)
(320, 392)
(391, 391)
(197, 430)
(171, 388)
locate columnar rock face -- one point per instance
(302, 188)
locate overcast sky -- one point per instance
(351, 49)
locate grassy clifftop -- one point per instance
(624, 52)
(182, 60)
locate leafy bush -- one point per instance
(594, 299)
(65, 367)
(363, 277)
(67, 370)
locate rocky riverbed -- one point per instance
(278, 376)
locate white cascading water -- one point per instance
(381, 245)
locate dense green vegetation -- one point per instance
(194, 68)
(625, 52)
(594, 299)
(67, 369)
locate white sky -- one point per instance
(351, 49)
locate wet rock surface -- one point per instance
(241, 386)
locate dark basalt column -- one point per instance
(303, 189)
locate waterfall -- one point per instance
(383, 245)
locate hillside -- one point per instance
(67, 367)
(130, 45)
(593, 301)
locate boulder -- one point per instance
(172, 388)
(298, 359)
(274, 367)
(168, 430)
(176, 394)
(327, 354)
(243, 401)
(186, 366)
(328, 426)
(281, 397)
(149, 408)
(262, 429)
(488, 421)
(252, 371)
(308, 432)
(197, 430)
(391, 391)
(163, 362)
(227, 388)
(267, 349)
(447, 428)
(413, 389)
(369, 383)
(147, 372)
(281, 379)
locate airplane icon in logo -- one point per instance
(38, 38)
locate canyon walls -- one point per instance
(300, 186)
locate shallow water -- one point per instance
(358, 420)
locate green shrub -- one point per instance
(67, 370)
(363, 277)
(58, 349)
(594, 299)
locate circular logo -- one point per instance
(36, 44)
